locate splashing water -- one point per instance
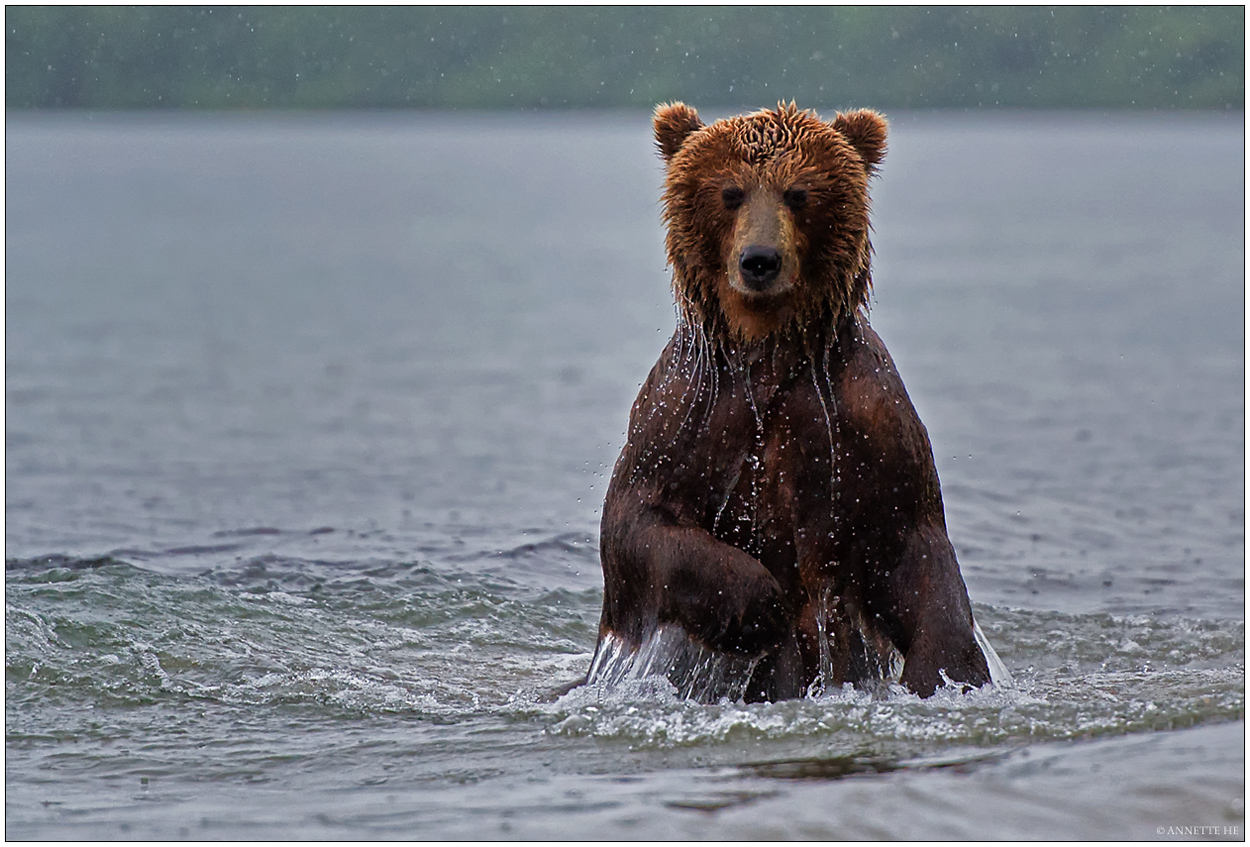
(696, 672)
(704, 675)
(1000, 677)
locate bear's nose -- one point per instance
(760, 266)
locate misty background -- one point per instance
(532, 57)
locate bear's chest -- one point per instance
(775, 474)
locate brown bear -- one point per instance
(777, 499)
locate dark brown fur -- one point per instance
(777, 489)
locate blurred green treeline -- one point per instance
(107, 57)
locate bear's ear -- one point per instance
(865, 130)
(673, 123)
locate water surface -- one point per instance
(309, 420)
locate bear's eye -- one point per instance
(732, 196)
(795, 198)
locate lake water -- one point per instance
(308, 426)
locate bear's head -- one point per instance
(767, 216)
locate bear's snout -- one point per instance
(762, 259)
(759, 266)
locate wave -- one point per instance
(455, 644)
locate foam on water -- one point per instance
(1076, 676)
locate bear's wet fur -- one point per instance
(777, 496)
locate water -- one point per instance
(309, 420)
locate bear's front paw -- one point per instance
(748, 616)
(936, 659)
